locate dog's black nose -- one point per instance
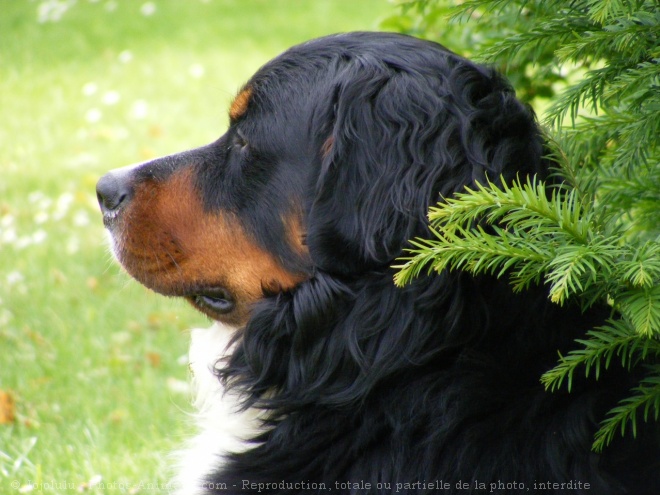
(113, 190)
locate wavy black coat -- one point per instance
(436, 382)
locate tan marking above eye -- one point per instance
(240, 104)
(296, 234)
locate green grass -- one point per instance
(87, 354)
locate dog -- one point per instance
(319, 374)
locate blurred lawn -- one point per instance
(91, 361)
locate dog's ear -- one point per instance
(397, 140)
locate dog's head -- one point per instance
(334, 152)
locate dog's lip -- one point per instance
(110, 219)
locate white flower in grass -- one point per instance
(139, 110)
(148, 9)
(5, 317)
(22, 242)
(121, 133)
(72, 246)
(7, 230)
(8, 235)
(6, 221)
(196, 71)
(41, 217)
(125, 57)
(111, 98)
(39, 236)
(35, 196)
(62, 205)
(44, 203)
(26, 488)
(89, 89)
(53, 10)
(95, 480)
(81, 218)
(14, 277)
(93, 115)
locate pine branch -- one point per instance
(637, 140)
(642, 270)
(642, 308)
(571, 265)
(603, 11)
(472, 250)
(607, 42)
(530, 233)
(645, 399)
(588, 90)
(525, 206)
(639, 83)
(576, 173)
(617, 338)
(532, 43)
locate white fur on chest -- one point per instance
(223, 428)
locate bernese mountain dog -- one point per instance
(320, 375)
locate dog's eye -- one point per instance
(217, 300)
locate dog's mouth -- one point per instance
(109, 219)
(164, 277)
(211, 283)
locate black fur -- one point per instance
(435, 385)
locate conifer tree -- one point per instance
(594, 65)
